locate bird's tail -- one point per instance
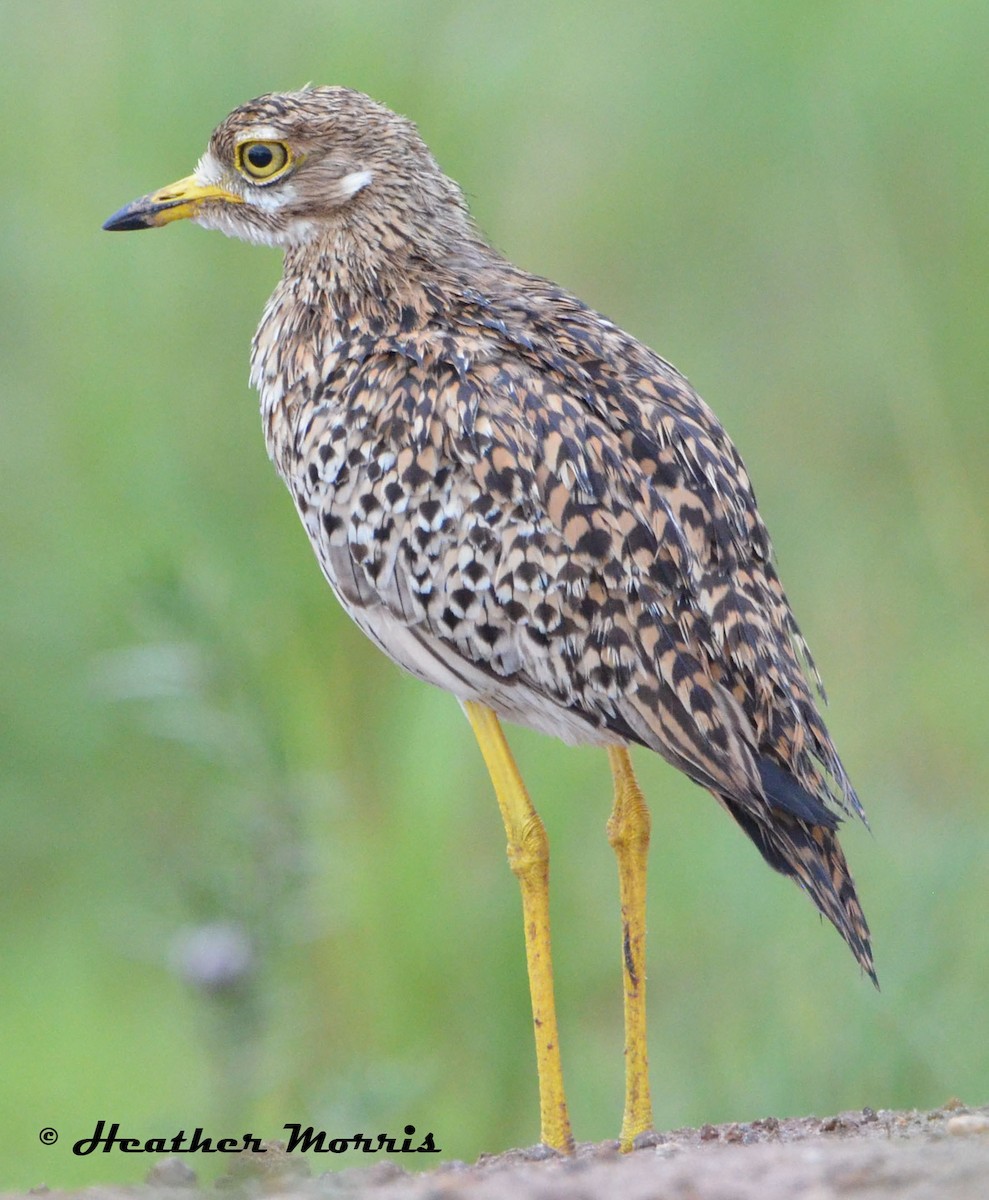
(810, 854)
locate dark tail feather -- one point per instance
(810, 854)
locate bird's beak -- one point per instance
(173, 203)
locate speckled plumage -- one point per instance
(514, 498)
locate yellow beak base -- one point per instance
(173, 203)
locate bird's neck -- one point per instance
(346, 289)
(369, 266)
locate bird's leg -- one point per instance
(628, 833)
(528, 856)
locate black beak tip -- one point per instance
(125, 218)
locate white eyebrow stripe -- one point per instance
(261, 133)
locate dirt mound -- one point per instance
(901, 1155)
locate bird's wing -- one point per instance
(586, 560)
(587, 541)
(665, 457)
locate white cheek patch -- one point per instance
(227, 222)
(270, 199)
(355, 182)
(208, 171)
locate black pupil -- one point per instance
(260, 156)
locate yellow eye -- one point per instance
(263, 161)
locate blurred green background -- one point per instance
(251, 873)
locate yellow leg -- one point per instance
(628, 833)
(528, 856)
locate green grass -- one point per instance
(787, 201)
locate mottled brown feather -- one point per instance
(516, 499)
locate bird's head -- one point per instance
(286, 168)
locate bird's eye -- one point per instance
(263, 161)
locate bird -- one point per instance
(524, 505)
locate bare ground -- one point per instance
(937, 1155)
